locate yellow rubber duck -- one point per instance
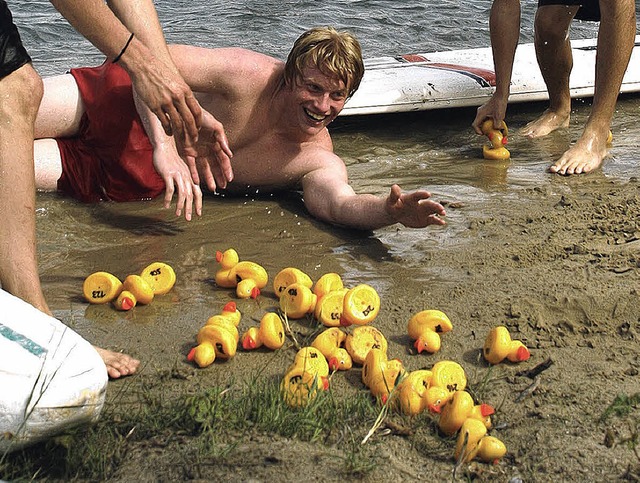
(425, 328)
(329, 307)
(125, 301)
(248, 277)
(101, 288)
(499, 346)
(381, 374)
(487, 448)
(361, 340)
(297, 300)
(288, 276)
(299, 387)
(305, 377)
(330, 343)
(329, 282)
(460, 408)
(310, 359)
(413, 392)
(135, 290)
(270, 333)
(497, 138)
(160, 277)
(447, 378)
(218, 338)
(361, 305)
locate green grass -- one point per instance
(199, 429)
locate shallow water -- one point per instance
(436, 151)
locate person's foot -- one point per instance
(548, 122)
(118, 364)
(584, 156)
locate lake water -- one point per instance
(435, 151)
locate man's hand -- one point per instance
(494, 109)
(171, 100)
(212, 156)
(177, 178)
(414, 210)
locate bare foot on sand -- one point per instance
(584, 156)
(548, 122)
(118, 364)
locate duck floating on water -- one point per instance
(499, 346)
(425, 328)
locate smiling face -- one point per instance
(319, 98)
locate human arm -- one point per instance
(180, 177)
(504, 26)
(329, 197)
(146, 59)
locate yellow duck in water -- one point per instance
(497, 138)
(330, 342)
(218, 338)
(270, 333)
(381, 374)
(425, 328)
(247, 277)
(486, 448)
(460, 408)
(499, 346)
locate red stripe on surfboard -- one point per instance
(487, 75)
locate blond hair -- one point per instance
(335, 53)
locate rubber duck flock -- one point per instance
(346, 339)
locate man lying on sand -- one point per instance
(275, 116)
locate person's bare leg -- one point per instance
(59, 115)
(553, 52)
(616, 38)
(20, 92)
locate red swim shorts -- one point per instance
(111, 158)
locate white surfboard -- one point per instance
(51, 379)
(465, 78)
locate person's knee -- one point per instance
(552, 23)
(23, 90)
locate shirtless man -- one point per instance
(616, 37)
(275, 116)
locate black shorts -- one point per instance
(589, 9)
(13, 55)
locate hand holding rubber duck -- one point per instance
(498, 140)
